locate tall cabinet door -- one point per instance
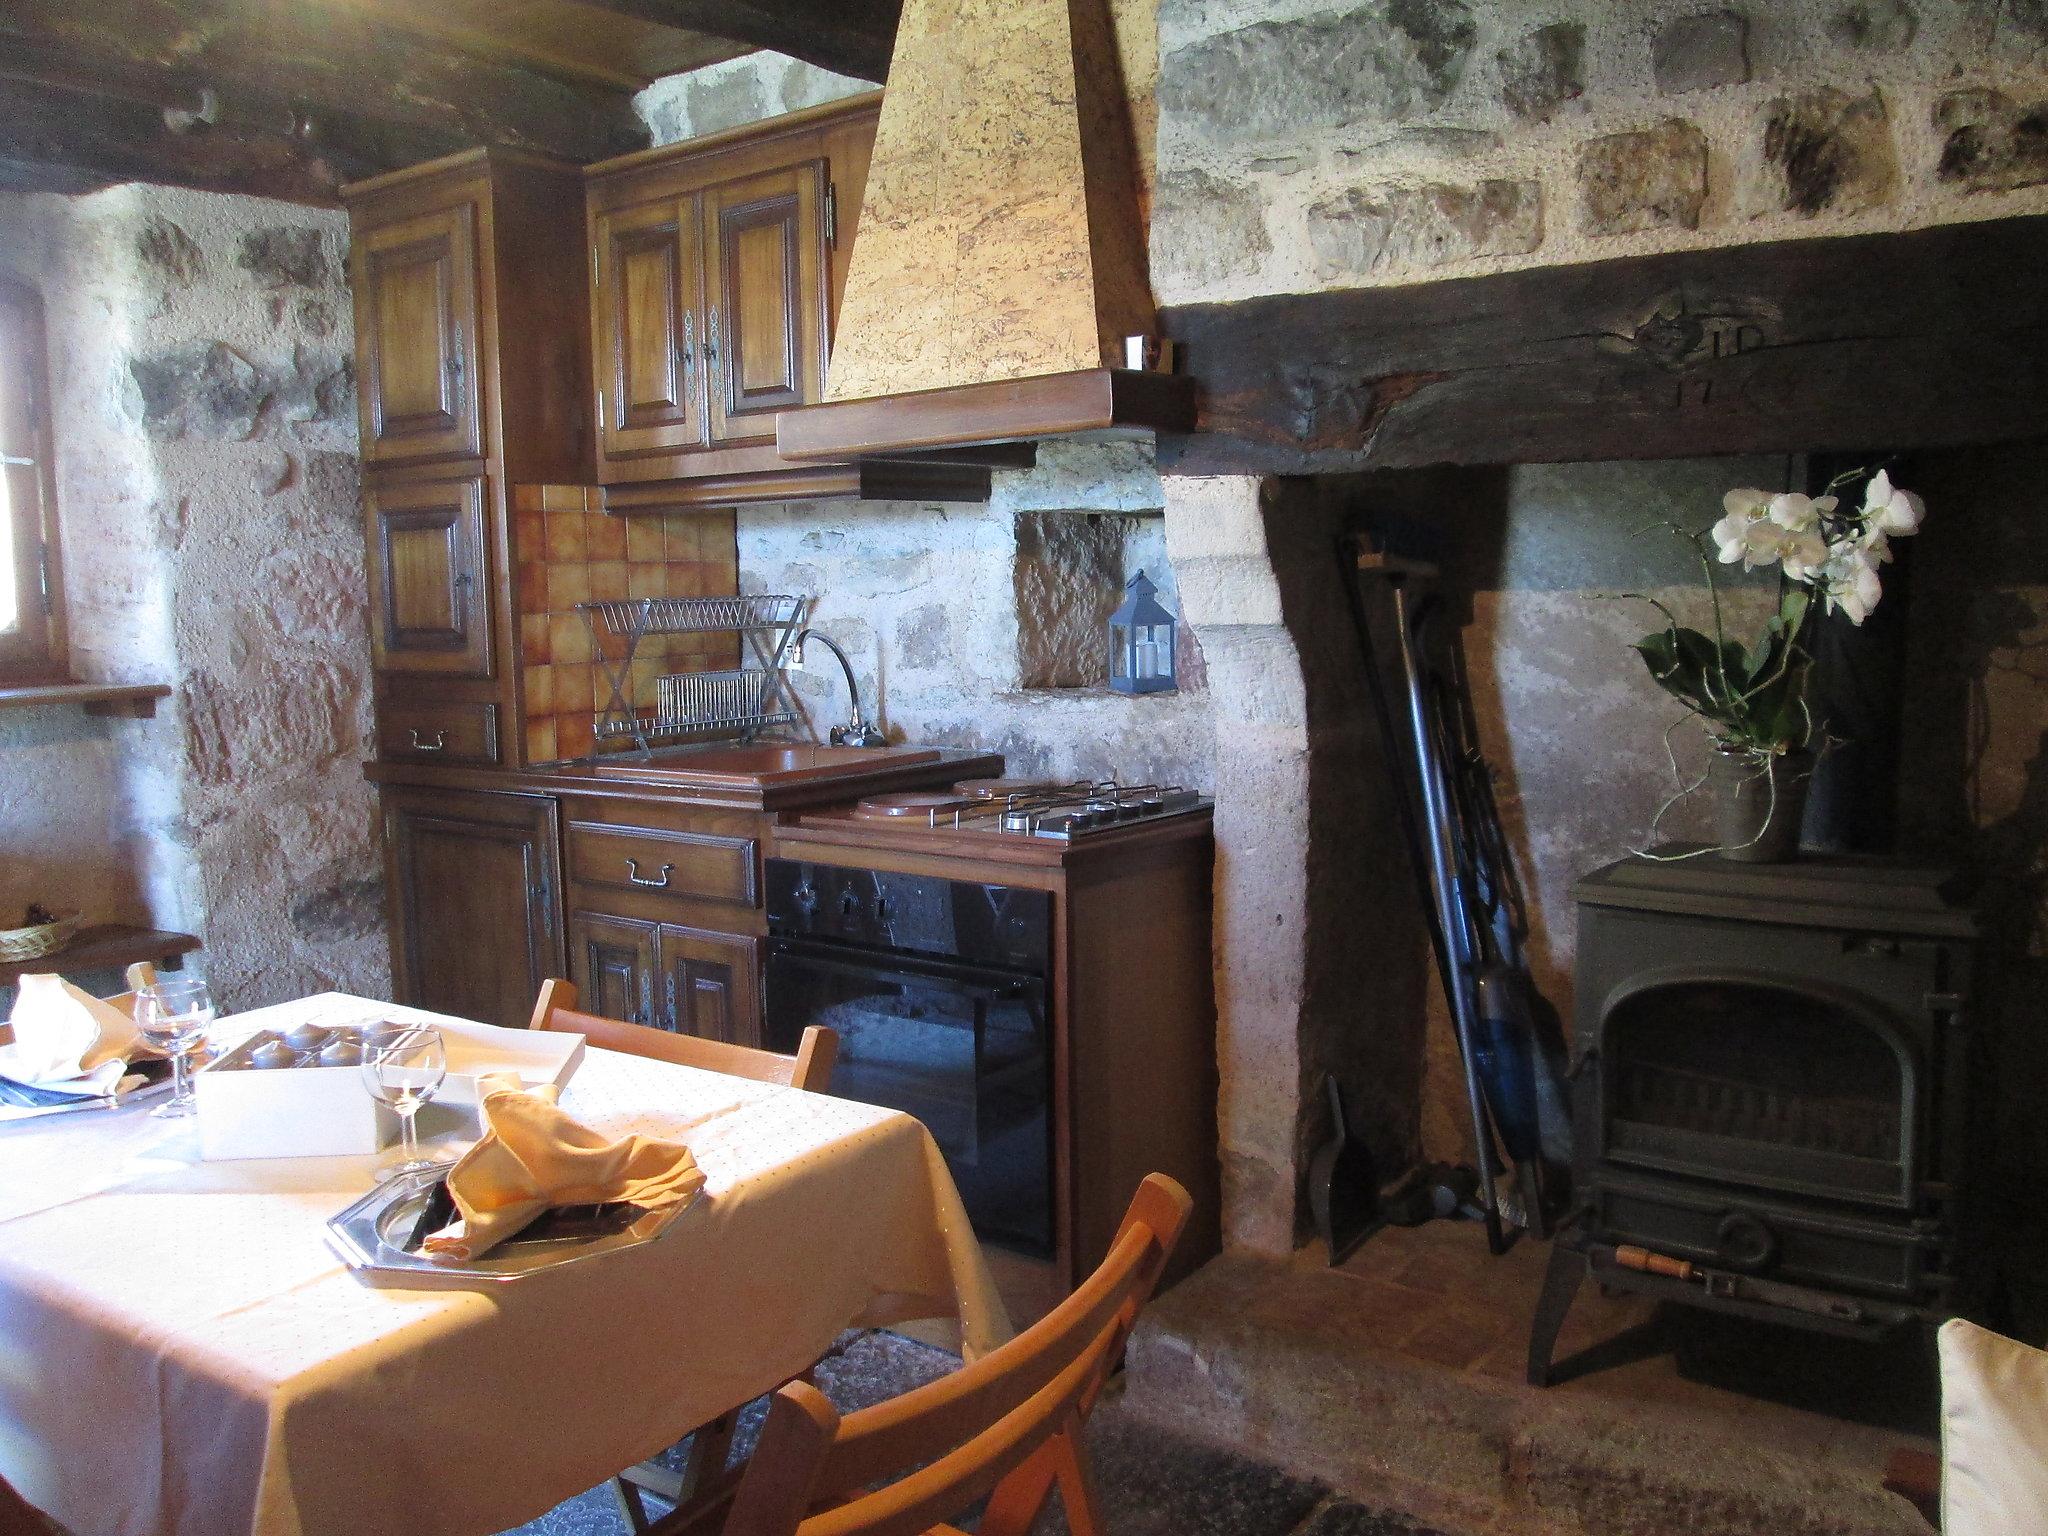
(612, 961)
(416, 329)
(473, 879)
(646, 341)
(712, 984)
(429, 567)
(764, 264)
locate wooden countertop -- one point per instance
(615, 781)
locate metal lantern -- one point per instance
(1141, 635)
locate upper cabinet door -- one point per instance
(765, 320)
(646, 342)
(430, 588)
(416, 328)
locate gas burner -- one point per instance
(1063, 811)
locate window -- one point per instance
(31, 630)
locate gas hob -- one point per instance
(1058, 812)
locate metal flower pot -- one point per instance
(1758, 803)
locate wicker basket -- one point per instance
(32, 943)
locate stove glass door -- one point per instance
(963, 1048)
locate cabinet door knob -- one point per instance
(657, 883)
(440, 740)
(711, 337)
(689, 343)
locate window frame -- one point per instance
(35, 652)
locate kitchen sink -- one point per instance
(763, 763)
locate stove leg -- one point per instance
(1561, 1282)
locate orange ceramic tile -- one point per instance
(537, 687)
(540, 741)
(566, 539)
(533, 638)
(643, 537)
(683, 580)
(564, 498)
(681, 543)
(533, 587)
(568, 640)
(646, 579)
(568, 585)
(607, 580)
(718, 538)
(573, 736)
(574, 690)
(605, 534)
(529, 535)
(527, 498)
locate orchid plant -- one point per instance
(1752, 699)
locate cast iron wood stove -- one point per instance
(1769, 1092)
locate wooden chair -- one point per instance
(809, 1068)
(1009, 1425)
(1915, 1476)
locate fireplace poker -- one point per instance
(1731, 1287)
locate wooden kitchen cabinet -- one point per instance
(612, 961)
(716, 267)
(429, 565)
(416, 324)
(667, 976)
(475, 887)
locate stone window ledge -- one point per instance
(134, 701)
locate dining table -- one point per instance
(184, 1353)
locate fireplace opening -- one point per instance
(1761, 1084)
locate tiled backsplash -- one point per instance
(570, 551)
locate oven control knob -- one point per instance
(848, 904)
(1743, 1242)
(805, 897)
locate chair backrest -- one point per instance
(1008, 1423)
(810, 1067)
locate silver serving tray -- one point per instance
(368, 1237)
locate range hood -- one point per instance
(999, 261)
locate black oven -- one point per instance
(937, 989)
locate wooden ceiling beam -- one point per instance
(203, 92)
(851, 37)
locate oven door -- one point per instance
(964, 1048)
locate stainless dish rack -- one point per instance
(744, 699)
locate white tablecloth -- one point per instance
(180, 1350)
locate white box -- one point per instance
(316, 1111)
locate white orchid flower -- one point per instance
(1754, 542)
(1746, 503)
(1804, 554)
(1797, 513)
(1891, 508)
(1851, 585)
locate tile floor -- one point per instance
(1153, 1484)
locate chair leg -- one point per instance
(1014, 1503)
(709, 1448)
(630, 1508)
(1076, 1473)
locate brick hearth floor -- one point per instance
(1397, 1381)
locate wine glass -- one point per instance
(173, 1015)
(404, 1071)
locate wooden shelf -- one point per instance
(107, 947)
(135, 701)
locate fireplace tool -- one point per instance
(1458, 858)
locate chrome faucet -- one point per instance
(858, 731)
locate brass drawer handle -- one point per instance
(440, 741)
(634, 876)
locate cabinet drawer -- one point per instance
(699, 864)
(440, 733)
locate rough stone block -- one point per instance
(1875, 26)
(1696, 53)
(1651, 178)
(1989, 143)
(201, 388)
(168, 251)
(1069, 579)
(1382, 62)
(287, 256)
(1827, 152)
(1543, 70)
(922, 637)
(1369, 229)
(1205, 229)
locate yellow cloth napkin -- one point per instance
(66, 1038)
(533, 1157)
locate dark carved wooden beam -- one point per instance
(270, 97)
(852, 37)
(1931, 338)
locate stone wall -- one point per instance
(206, 483)
(1305, 144)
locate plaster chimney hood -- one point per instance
(999, 262)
